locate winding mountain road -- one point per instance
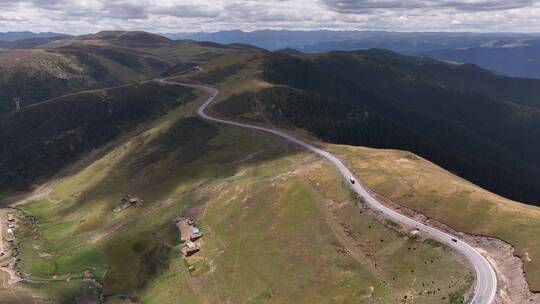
(486, 280)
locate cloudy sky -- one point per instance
(84, 16)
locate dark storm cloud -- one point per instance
(361, 6)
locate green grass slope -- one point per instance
(405, 178)
(279, 225)
(39, 74)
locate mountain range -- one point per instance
(318, 41)
(519, 58)
(512, 54)
(12, 36)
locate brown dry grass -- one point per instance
(422, 186)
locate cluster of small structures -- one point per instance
(10, 239)
(128, 201)
(11, 224)
(189, 233)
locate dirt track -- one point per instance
(10, 291)
(2, 223)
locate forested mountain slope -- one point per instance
(40, 140)
(380, 99)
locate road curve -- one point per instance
(486, 280)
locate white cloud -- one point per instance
(359, 6)
(83, 16)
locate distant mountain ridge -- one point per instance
(518, 59)
(512, 54)
(13, 36)
(489, 50)
(325, 40)
(126, 36)
(29, 43)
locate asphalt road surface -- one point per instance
(486, 280)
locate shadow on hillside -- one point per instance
(40, 141)
(189, 156)
(191, 153)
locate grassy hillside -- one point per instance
(92, 61)
(423, 186)
(37, 75)
(405, 178)
(279, 227)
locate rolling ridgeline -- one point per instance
(44, 68)
(482, 126)
(513, 54)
